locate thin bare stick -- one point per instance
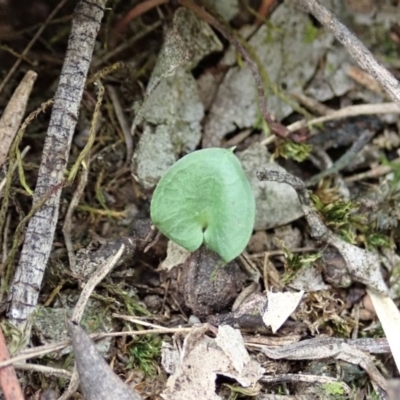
(50, 371)
(31, 43)
(67, 227)
(311, 104)
(46, 349)
(351, 111)
(123, 123)
(28, 278)
(355, 48)
(373, 173)
(14, 167)
(100, 336)
(137, 321)
(364, 78)
(94, 280)
(36, 352)
(135, 12)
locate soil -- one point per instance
(114, 208)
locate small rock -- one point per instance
(208, 284)
(154, 154)
(49, 394)
(276, 203)
(290, 236)
(259, 242)
(366, 315)
(367, 304)
(227, 8)
(153, 302)
(49, 324)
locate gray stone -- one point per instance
(276, 203)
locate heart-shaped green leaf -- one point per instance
(206, 197)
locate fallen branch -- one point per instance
(28, 278)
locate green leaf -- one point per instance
(206, 197)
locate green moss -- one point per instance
(334, 391)
(294, 262)
(339, 216)
(293, 151)
(311, 33)
(144, 354)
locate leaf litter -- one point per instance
(303, 66)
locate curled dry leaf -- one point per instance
(202, 358)
(13, 114)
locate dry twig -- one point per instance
(51, 348)
(94, 280)
(40, 232)
(67, 228)
(119, 112)
(135, 12)
(375, 172)
(351, 111)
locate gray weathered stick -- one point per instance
(25, 288)
(356, 49)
